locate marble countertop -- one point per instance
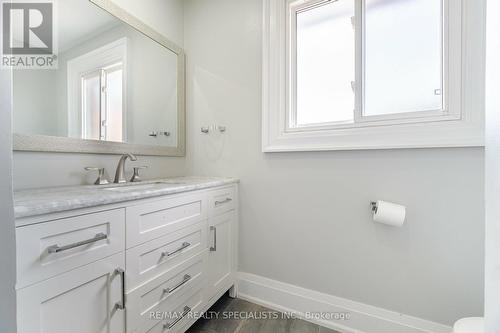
(58, 199)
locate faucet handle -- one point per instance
(101, 179)
(136, 178)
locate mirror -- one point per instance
(118, 87)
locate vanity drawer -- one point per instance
(221, 201)
(180, 287)
(152, 220)
(154, 258)
(48, 249)
(183, 316)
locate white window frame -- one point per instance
(106, 55)
(459, 124)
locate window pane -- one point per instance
(91, 107)
(403, 55)
(114, 89)
(325, 63)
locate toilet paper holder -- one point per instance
(388, 213)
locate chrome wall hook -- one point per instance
(213, 128)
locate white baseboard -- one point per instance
(303, 302)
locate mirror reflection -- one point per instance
(112, 83)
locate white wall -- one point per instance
(305, 217)
(165, 16)
(492, 284)
(33, 170)
(7, 233)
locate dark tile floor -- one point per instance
(252, 318)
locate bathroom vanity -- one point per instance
(135, 258)
(143, 256)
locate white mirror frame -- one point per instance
(43, 143)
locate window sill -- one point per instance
(458, 133)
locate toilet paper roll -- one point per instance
(389, 213)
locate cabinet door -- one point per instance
(83, 300)
(220, 257)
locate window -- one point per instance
(96, 93)
(403, 58)
(356, 74)
(401, 68)
(325, 69)
(102, 108)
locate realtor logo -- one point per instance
(28, 35)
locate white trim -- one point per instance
(461, 126)
(363, 318)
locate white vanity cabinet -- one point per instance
(222, 247)
(87, 299)
(221, 258)
(108, 269)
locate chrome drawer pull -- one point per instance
(121, 305)
(57, 248)
(168, 326)
(169, 254)
(218, 203)
(186, 278)
(214, 248)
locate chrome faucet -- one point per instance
(120, 169)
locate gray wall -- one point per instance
(492, 284)
(36, 114)
(33, 170)
(305, 217)
(7, 232)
